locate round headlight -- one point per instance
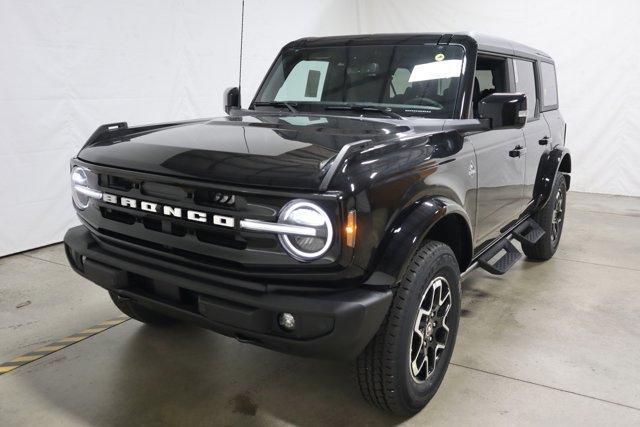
(83, 184)
(308, 214)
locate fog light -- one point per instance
(287, 321)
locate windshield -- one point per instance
(407, 79)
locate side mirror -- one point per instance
(231, 99)
(504, 110)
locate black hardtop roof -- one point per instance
(484, 42)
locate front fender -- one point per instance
(403, 239)
(547, 169)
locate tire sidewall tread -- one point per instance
(545, 248)
(384, 365)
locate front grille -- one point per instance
(185, 197)
(221, 247)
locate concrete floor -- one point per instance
(548, 343)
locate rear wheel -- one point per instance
(140, 313)
(551, 219)
(402, 367)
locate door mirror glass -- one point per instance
(504, 110)
(231, 99)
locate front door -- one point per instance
(500, 173)
(500, 155)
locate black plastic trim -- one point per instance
(334, 324)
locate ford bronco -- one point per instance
(336, 216)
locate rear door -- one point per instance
(536, 131)
(549, 103)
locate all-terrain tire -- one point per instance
(384, 368)
(140, 313)
(547, 218)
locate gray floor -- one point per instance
(548, 343)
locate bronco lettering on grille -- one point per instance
(166, 210)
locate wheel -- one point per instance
(140, 313)
(402, 367)
(551, 219)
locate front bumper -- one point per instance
(331, 324)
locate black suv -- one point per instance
(336, 215)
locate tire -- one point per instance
(385, 369)
(140, 313)
(551, 220)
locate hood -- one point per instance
(257, 150)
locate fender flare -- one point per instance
(549, 166)
(404, 237)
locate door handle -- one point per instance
(545, 140)
(518, 151)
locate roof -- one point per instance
(493, 44)
(484, 42)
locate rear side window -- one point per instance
(526, 83)
(549, 86)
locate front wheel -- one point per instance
(402, 367)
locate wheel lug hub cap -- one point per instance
(430, 330)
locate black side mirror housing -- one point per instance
(504, 110)
(231, 99)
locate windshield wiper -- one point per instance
(365, 108)
(277, 104)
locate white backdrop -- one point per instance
(596, 46)
(70, 65)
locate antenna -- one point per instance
(240, 68)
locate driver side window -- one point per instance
(490, 77)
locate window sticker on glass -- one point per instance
(436, 70)
(305, 82)
(313, 80)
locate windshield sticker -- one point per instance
(439, 57)
(436, 70)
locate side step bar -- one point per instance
(528, 232)
(505, 262)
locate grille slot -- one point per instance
(163, 191)
(178, 230)
(116, 215)
(221, 239)
(152, 224)
(116, 182)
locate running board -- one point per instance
(528, 232)
(502, 264)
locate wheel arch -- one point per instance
(454, 231)
(565, 168)
(435, 218)
(556, 160)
